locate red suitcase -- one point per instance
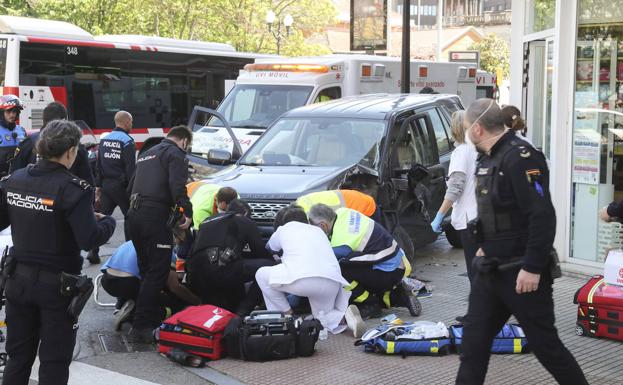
(197, 330)
(600, 309)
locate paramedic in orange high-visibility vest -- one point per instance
(350, 199)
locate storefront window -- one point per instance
(539, 15)
(597, 168)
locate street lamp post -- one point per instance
(277, 33)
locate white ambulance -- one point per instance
(269, 87)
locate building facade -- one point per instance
(567, 78)
(456, 13)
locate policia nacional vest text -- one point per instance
(36, 205)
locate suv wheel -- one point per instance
(453, 237)
(404, 241)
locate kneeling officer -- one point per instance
(52, 219)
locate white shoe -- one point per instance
(354, 321)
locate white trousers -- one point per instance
(325, 295)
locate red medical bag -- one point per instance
(197, 330)
(600, 309)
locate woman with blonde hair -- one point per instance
(461, 192)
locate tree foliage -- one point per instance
(494, 54)
(237, 22)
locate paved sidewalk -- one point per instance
(337, 361)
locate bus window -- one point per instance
(3, 48)
(327, 94)
(158, 88)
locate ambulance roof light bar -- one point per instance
(318, 68)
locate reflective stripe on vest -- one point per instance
(351, 229)
(377, 256)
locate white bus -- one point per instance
(271, 86)
(158, 80)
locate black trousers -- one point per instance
(153, 242)
(491, 302)
(36, 316)
(123, 288)
(470, 247)
(114, 194)
(368, 284)
(225, 286)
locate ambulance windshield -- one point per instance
(256, 106)
(322, 142)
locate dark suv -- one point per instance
(394, 147)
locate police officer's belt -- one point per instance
(36, 274)
(221, 256)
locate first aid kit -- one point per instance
(600, 309)
(407, 338)
(197, 330)
(510, 340)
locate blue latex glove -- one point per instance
(436, 224)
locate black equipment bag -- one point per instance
(270, 335)
(308, 332)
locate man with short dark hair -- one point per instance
(158, 204)
(514, 264)
(209, 199)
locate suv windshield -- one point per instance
(256, 106)
(328, 142)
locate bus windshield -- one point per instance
(3, 49)
(323, 142)
(256, 106)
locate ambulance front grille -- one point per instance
(265, 212)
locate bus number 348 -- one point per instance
(72, 51)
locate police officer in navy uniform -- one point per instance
(158, 195)
(116, 161)
(11, 133)
(51, 215)
(516, 229)
(25, 153)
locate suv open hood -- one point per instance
(278, 182)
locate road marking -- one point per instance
(81, 373)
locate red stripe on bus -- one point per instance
(98, 131)
(70, 42)
(135, 47)
(10, 90)
(59, 94)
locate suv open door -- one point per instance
(210, 150)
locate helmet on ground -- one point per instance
(8, 102)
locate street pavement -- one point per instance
(105, 357)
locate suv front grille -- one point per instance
(265, 212)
